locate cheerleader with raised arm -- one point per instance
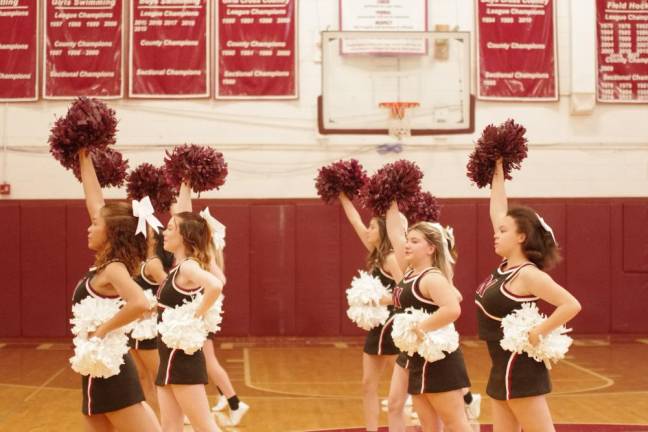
(517, 383)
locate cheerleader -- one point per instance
(227, 395)
(517, 383)
(181, 377)
(437, 388)
(116, 402)
(379, 349)
(144, 352)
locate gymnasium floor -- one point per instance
(314, 384)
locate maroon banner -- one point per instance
(18, 50)
(517, 50)
(257, 49)
(83, 49)
(169, 48)
(622, 51)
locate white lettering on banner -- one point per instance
(14, 77)
(13, 47)
(9, 3)
(161, 72)
(14, 13)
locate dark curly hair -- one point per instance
(539, 246)
(122, 244)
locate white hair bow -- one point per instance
(143, 210)
(444, 241)
(217, 229)
(547, 228)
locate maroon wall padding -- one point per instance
(587, 259)
(10, 311)
(42, 269)
(272, 267)
(317, 269)
(635, 238)
(236, 218)
(289, 262)
(630, 269)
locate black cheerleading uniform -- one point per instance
(512, 375)
(145, 284)
(176, 366)
(379, 339)
(102, 395)
(440, 376)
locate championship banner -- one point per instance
(19, 50)
(622, 51)
(517, 50)
(169, 48)
(83, 49)
(383, 16)
(257, 49)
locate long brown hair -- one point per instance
(538, 246)
(376, 257)
(435, 238)
(121, 242)
(196, 237)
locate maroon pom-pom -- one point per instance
(89, 124)
(398, 181)
(203, 168)
(109, 165)
(505, 141)
(422, 207)
(148, 180)
(341, 176)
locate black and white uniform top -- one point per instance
(177, 367)
(440, 376)
(512, 375)
(102, 395)
(379, 339)
(146, 284)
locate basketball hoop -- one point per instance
(399, 125)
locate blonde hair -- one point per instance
(435, 235)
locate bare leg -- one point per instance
(450, 408)
(532, 413)
(170, 410)
(396, 400)
(194, 403)
(147, 362)
(372, 369)
(135, 418)
(215, 371)
(97, 423)
(430, 421)
(503, 418)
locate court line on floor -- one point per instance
(49, 380)
(248, 382)
(608, 382)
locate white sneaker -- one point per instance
(237, 415)
(473, 409)
(186, 420)
(221, 404)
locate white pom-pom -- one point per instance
(405, 338)
(435, 342)
(91, 312)
(181, 329)
(146, 328)
(364, 301)
(517, 325)
(366, 290)
(214, 315)
(99, 358)
(368, 317)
